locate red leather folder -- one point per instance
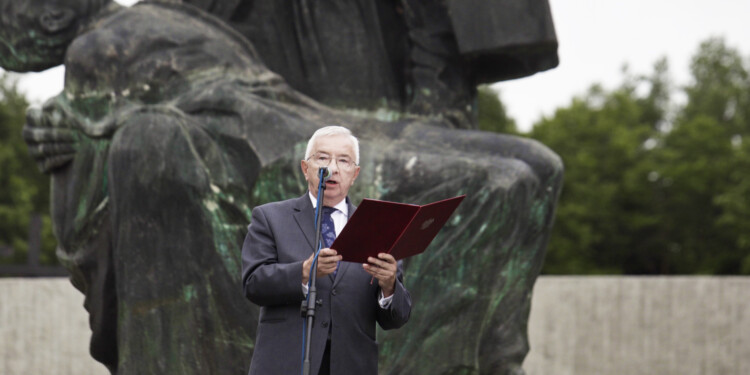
(400, 229)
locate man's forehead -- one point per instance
(339, 144)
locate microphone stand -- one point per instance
(309, 305)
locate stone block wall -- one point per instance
(44, 328)
(640, 326)
(578, 326)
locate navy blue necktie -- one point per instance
(328, 231)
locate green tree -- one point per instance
(706, 154)
(23, 189)
(603, 139)
(735, 203)
(649, 191)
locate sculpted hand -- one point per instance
(384, 268)
(327, 261)
(49, 137)
(52, 132)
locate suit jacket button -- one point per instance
(325, 324)
(333, 292)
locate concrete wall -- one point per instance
(44, 329)
(578, 325)
(640, 325)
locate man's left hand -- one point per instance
(384, 268)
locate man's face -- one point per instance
(34, 34)
(337, 187)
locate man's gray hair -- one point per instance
(332, 130)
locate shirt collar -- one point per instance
(341, 206)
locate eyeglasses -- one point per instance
(321, 159)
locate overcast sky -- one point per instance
(596, 38)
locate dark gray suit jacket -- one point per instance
(279, 239)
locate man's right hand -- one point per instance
(327, 261)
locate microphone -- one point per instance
(324, 174)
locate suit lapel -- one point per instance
(304, 215)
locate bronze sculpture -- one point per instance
(171, 127)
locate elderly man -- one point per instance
(277, 257)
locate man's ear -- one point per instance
(303, 166)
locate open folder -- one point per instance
(400, 229)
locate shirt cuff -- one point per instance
(304, 289)
(385, 302)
